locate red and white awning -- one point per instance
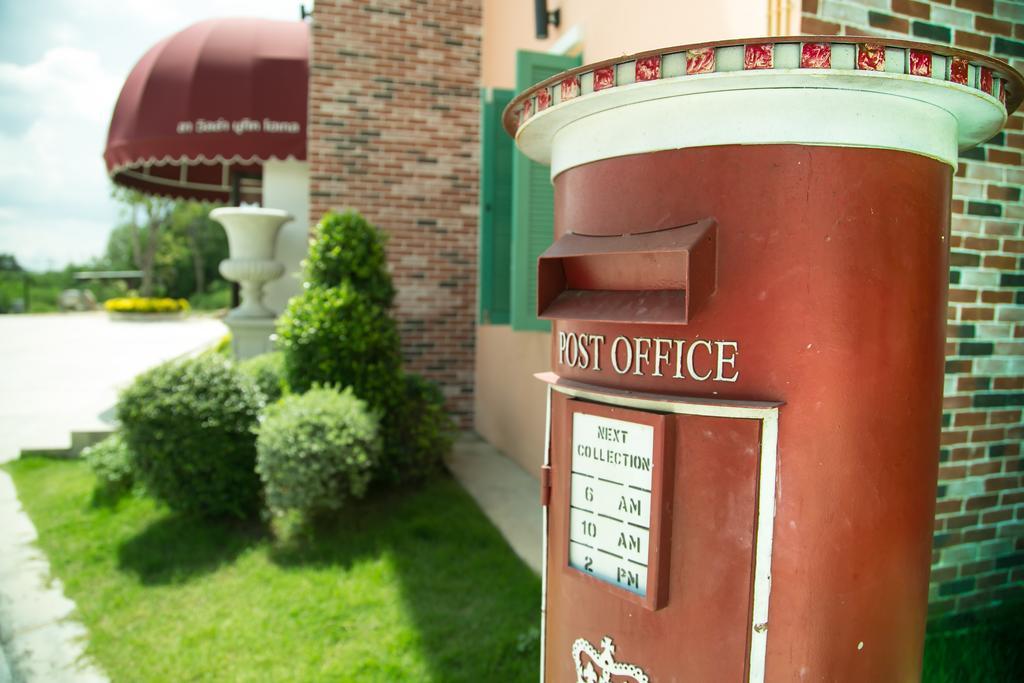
(210, 103)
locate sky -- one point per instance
(62, 64)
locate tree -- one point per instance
(119, 254)
(176, 244)
(193, 222)
(148, 217)
(205, 246)
(9, 263)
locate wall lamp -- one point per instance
(544, 18)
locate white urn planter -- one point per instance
(252, 235)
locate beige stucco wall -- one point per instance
(509, 402)
(611, 27)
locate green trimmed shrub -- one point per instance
(191, 428)
(267, 370)
(336, 336)
(111, 461)
(223, 346)
(347, 248)
(418, 432)
(315, 450)
(338, 333)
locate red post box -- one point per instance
(747, 287)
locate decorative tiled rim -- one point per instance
(818, 53)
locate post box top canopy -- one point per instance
(206, 107)
(817, 90)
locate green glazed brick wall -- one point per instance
(978, 552)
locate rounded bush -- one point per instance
(347, 248)
(418, 432)
(315, 450)
(337, 336)
(191, 427)
(267, 370)
(111, 462)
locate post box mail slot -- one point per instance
(656, 276)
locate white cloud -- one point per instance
(66, 97)
(54, 183)
(44, 242)
(55, 107)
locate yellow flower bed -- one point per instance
(138, 304)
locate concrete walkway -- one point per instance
(508, 495)
(60, 374)
(38, 634)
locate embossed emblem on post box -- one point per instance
(605, 660)
(616, 489)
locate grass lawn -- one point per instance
(988, 649)
(410, 586)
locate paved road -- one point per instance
(61, 373)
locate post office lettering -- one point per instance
(700, 360)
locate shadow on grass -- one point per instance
(177, 548)
(475, 605)
(982, 647)
(110, 497)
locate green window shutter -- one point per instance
(495, 208)
(533, 201)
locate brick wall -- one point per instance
(978, 556)
(393, 132)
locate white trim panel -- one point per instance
(760, 117)
(767, 475)
(544, 548)
(855, 109)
